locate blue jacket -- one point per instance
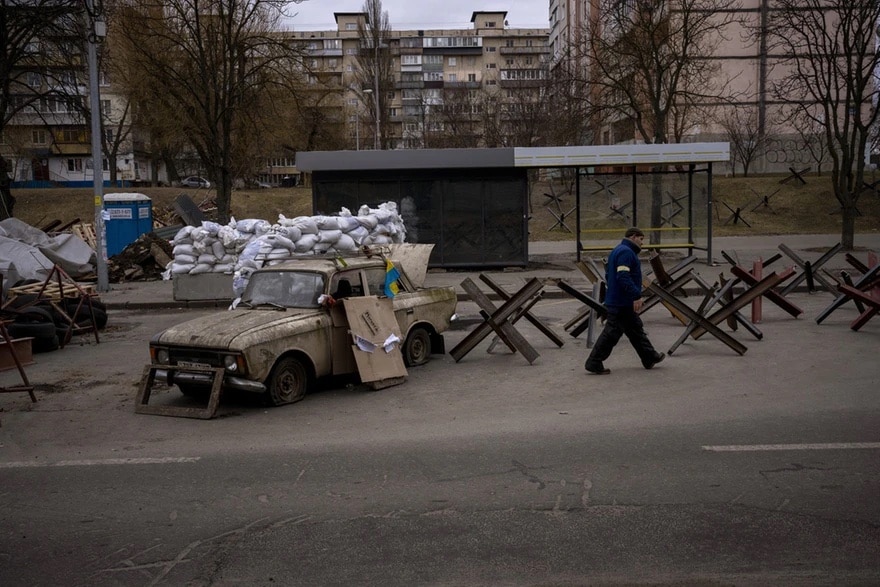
(624, 275)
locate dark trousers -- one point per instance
(620, 321)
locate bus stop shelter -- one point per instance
(473, 204)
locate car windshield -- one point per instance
(287, 289)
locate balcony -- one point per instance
(524, 50)
(463, 85)
(410, 85)
(453, 51)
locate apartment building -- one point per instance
(48, 141)
(746, 69)
(444, 80)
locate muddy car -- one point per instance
(289, 328)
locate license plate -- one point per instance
(192, 364)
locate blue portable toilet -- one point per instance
(128, 216)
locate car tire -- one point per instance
(288, 382)
(417, 347)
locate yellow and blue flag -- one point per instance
(391, 277)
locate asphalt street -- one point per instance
(712, 469)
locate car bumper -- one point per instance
(174, 376)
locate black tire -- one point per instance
(22, 300)
(46, 343)
(36, 330)
(83, 318)
(70, 304)
(33, 315)
(287, 383)
(417, 347)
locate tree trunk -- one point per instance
(847, 235)
(7, 200)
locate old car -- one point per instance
(289, 328)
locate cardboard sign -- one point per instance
(377, 340)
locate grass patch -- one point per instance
(794, 209)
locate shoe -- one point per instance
(658, 358)
(596, 369)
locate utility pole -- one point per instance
(97, 30)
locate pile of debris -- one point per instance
(143, 260)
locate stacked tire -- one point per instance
(40, 320)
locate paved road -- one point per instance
(712, 468)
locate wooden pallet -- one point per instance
(87, 233)
(52, 291)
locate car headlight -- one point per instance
(160, 356)
(230, 362)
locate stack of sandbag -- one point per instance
(246, 245)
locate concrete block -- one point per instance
(203, 286)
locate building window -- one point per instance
(351, 26)
(34, 79)
(38, 137)
(75, 165)
(452, 77)
(452, 62)
(491, 82)
(105, 108)
(108, 135)
(489, 24)
(508, 43)
(490, 49)
(472, 77)
(490, 66)
(103, 78)
(331, 63)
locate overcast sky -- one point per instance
(422, 14)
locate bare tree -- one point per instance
(829, 59)
(745, 136)
(374, 76)
(811, 132)
(32, 33)
(214, 68)
(649, 65)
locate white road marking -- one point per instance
(771, 447)
(94, 462)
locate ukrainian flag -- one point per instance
(391, 277)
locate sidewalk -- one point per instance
(554, 260)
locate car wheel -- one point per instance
(417, 347)
(288, 382)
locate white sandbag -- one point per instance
(278, 253)
(182, 249)
(347, 223)
(358, 234)
(306, 224)
(209, 227)
(345, 244)
(179, 268)
(291, 232)
(279, 241)
(329, 236)
(327, 222)
(183, 236)
(182, 259)
(218, 249)
(201, 268)
(224, 268)
(306, 242)
(206, 258)
(368, 221)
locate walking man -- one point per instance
(623, 300)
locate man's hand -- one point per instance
(637, 305)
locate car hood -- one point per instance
(234, 328)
